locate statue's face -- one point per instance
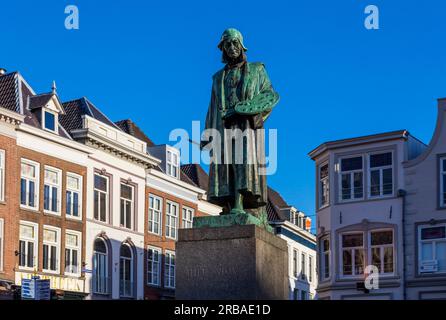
(232, 48)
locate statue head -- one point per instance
(231, 45)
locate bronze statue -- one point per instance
(242, 99)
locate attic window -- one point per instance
(172, 164)
(49, 122)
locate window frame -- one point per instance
(132, 261)
(370, 247)
(351, 174)
(55, 114)
(151, 222)
(72, 248)
(153, 263)
(420, 248)
(58, 211)
(72, 190)
(169, 217)
(57, 244)
(320, 184)
(295, 264)
(2, 175)
(185, 221)
(36, 181)
(310, 268)
(167, 265)
(324, 253)
(107, 198)
(303, 266)
(353, 257)
(35, 242)
(107, 268)
(170, 165)
(132, 206)
(381, 169)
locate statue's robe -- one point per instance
(232, 85)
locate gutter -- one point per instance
(402, 194)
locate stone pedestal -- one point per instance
(236, 262)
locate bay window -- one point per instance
(169, 269)
(28, 235)
(51, 190)
(432, 249)
(324, 186)
(127, 205)
(171, 220)
(187, 217)
(101, 197)
(325, 258)
(153, 266)
(381, 174)
(29, 184)
(51, 249)
(155, 214)
(351, 178)
(352, 254)
(72, 253)
(73, 195)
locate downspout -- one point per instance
(402, 194)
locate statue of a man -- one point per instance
(242, 99)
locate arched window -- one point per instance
(126, 271)
(100, 266)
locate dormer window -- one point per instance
(172, 164)
(49, 121)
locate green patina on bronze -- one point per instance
(242, 98)
(228, 220)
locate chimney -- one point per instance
(2, 71)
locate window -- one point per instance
(188, 217)
(443, 182)
(1, 244)
(352, 254)
(381, 250)
(73, 195)
(303, 267)
(381, 174)
(352, 178)
(324, 186)
(29, 184)
(153, 266)
(325, 259)
(100, 267)
(295, 254)
(51, 249)
(172, 164)
(101, 195)
(171, 220)
(49, 122)
(432, 249)
(126, 271)
(51, 190)
(310, 268)
(72, 253)
(155, 214)
(169, 270)
(28, 234)
(2, 175)
(127, 205)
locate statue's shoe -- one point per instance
(237, 211)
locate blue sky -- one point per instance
(152, 61)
